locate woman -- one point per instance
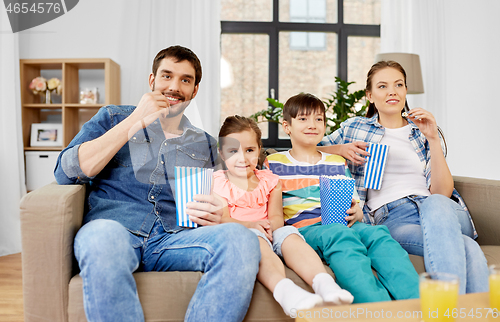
(424, 213)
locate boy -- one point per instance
(350, 251)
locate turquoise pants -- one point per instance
(352, 253)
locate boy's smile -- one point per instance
(306, 130)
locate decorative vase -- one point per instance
(48, 97)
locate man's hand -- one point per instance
(355, 214)
(355, 152)
(206, 210)
(152, 106)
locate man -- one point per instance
(127, 156)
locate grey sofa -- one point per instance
(51, 216)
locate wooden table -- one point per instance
(471, 307)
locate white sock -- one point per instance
(292, 298)
(325, 286)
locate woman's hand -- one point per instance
(355, 152)
(355, 214)
(425, 122)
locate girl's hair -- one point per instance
(303, 103)
(375, 68)
(238, 124)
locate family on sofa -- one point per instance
(127, 154)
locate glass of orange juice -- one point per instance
(438, 296)
(495, 287)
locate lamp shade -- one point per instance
(411, 65)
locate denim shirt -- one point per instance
(137, 185)
(371, 131)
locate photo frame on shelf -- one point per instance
(89, 96)
(46, 134)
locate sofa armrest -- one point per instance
(482, 197)
(50, 218)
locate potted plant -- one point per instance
(340, 106)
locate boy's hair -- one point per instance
(238, 124)
(302, 104)
(179, 54)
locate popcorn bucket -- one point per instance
(190, 181)
(336, 196)
(375, 166)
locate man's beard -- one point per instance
(178, 109)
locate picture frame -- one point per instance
(89, 96)
(46, 134)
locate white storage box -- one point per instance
(40, 168)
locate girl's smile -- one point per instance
(240, 151)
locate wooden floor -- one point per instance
(11, 289)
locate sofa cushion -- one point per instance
(418, 263)
(161, 305)
(163, 296)
(482, 199)
(492, 254)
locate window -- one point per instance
(278, 48)
(308, 11)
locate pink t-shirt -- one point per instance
(246, 205)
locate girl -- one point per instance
(424, 213)
(253, 199)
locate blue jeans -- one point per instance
(108, 254)
(438, 229)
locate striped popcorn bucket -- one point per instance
(375, 166)
(190, 181)
(336, 196)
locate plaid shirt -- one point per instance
(369, 130)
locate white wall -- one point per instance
(131, 32)
(11, 154)
(472, 87)
(457, 41)
(89, 30)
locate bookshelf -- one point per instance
(71, 113)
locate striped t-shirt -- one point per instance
(300, 184)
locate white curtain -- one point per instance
(159, 24)
(418, 27)
(12, 186)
